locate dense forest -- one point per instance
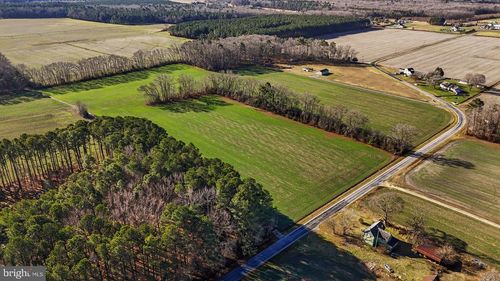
(168, 12)
(280, 100)
(279, 25)
(291, 5)
(155, 210)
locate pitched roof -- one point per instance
(430, 251)
(430, 278)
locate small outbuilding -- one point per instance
(431, 252)
(308, 69)
(323, 72)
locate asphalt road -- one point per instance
(292, 237)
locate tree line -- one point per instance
(60, 73)
(135, 13)
(223, 54)
(483, 121)
(156, 210)
(233, 52)
(280, 100)
(11, 80)
(280, 25)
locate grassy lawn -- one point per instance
(425, 26)
(467, 175)
(32, 114)
(360, 75)
(449, 96)
(383, 111)
(302, 167)
(323, 255)
(489, 33)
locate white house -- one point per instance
(407, 71)
(445, 86)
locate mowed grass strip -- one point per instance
(383, 111)
(301, 166)
(467, 174)
(26, 114)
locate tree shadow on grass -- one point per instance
(202, 104)
(442, 160)
(11, 99)
(313, 258)
(256, 70)
(102, 82)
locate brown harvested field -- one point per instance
(37, 42)
(457, 57)
(373, 45)
(360, 75)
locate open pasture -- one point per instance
(457, 57)
(301, 166)
(360, 75)
(377, 44)
(32, 114)
(36, 42)
(464, 174)
(383, 110)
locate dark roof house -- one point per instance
(376, 235)
(323, 72)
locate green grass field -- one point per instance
(31, 114)
(383, 111)
(302, 167)
(467, 176)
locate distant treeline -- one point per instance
(121, 14)
(279, 25)
(280, 100)
(142, 206)
(292, 5)
(224, 54)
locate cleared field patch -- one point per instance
(32, 114)
(373, 45)
(489, 33)
(465, 174)
(301, 166)
(360, 75)
(37, 42)
(457, 57)
(383, 110)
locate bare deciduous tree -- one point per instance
(388, 203)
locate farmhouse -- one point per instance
(430, 251)
(376, 235)
(307, 69)
(492, 26)
(445, 86)
(323, 72)
(407, 71)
